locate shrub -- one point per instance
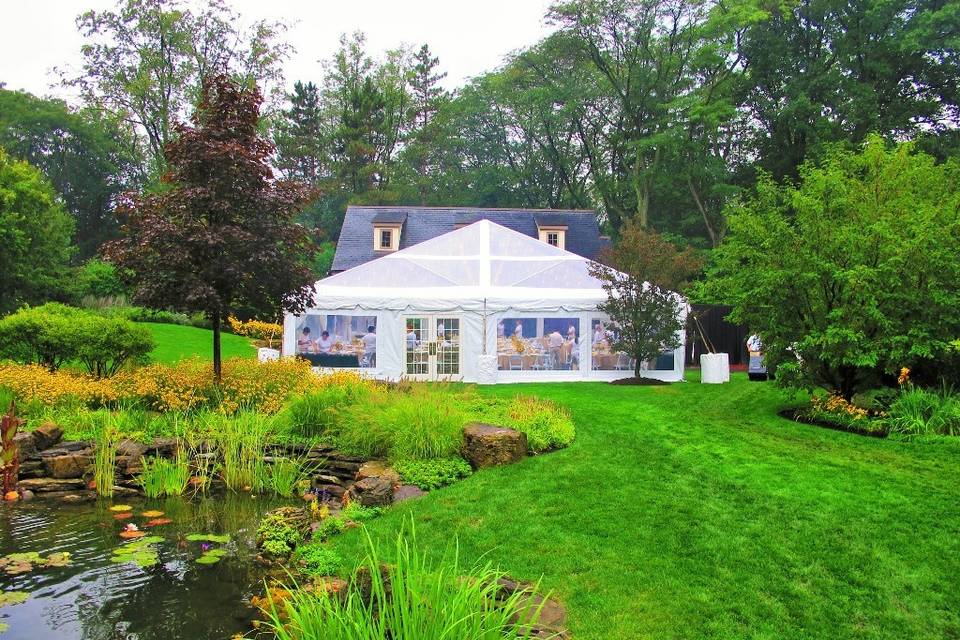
(276, 536)
(918, 412)
(318, 414)
(256, 329)
(318, 559)
(432, 474)
(98, 279)
(835, 412)
(54, 334)
(408, 598)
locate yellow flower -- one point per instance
(904, 376)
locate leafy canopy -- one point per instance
(852, 273)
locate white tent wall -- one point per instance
(476, 272)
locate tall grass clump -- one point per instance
(406, 600)
(408, 422)
(284, 476)
(320, 413)
(242, 441)
(105, 456)
(165, 476)
(919, 412)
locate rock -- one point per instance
(407, 492)
(125, 491)
(327, 491)
(31, 469)
(378, 469)
(128, 466)
(68, 465)
(76, 498)
(343, 469)
(552, 618)
(131, 449)
(47, 435)
(330, 585)
(162, 447)
(325, 479)
(372, 492)
(48, 485)
(26, 445)
(26, 495)
(487, 445)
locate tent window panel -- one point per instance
(448, 347)
(337, 341)
(550, 343)
(417, 359)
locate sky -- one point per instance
(469, 36)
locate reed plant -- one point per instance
(408, 599)
(284, 476)
(105, 455)
(242, 442)
(165, 476)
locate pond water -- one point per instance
(94, 598)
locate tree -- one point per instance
(220, 233)
(35, 235)
(851, 274)
(85, 157)
(823, 71)
(642, 278)
(300, 136)
(146, 61)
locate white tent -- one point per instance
(441, 309)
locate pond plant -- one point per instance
(165, 476)
(409, 597)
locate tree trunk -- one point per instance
(636, 368)
(217, 369)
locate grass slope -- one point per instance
(693, 511)
(176, 342)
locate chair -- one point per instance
(623, 362)
(516, 362)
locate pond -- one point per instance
(95, 597)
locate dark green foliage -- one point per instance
(54, 334)
(921, 412)
(855, 270)
(35, 236)
(433, 473)
(98, 279)
(276, 537)
(84, 154)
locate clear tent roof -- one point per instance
(483, 255)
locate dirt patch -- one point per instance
(640, 382)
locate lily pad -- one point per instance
(208, 537)
(131, 534)
(152, 513)
(58, 559)
(216, 552)
(156, 522)
(10, 598)
(4, 627)
(16, 568)
(208, 559)
(123, 515)
(121, 507)
(24, 556)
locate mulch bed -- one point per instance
(798, 415)
(639, 382)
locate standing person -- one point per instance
(572, 334)
(754, 344)
(411, 338)
(325, 343)
(501, 330)
(370, 347)
(518, 330)
(555, 344)
(304, 343)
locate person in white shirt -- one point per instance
(572, 334)
(411, 338)
(754, 344)
(555, 344)
(304, 343)
(501, 330)
(370, 347)
(518, 330)
(325, 343)
(599, 334)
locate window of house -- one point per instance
(386, 238)
(553, 238)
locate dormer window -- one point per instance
(386, 238)
(554, 235)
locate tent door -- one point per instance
(432, 347)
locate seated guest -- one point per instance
(304, 343)
(370, 346)
(325, 343)
(555, 343)
(411, 338)
(599, 334)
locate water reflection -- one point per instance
(95, 599)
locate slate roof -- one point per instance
(422, 223)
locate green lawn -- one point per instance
(176, 342)
(693, 511)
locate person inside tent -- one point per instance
(599, 334)
(555, 344)
(572, 334)
(501, 330)
(411, 338)
(325, 343)
(370, 347)
(304, 343)
(518, 330)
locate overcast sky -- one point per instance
(469, 36)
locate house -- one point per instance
(372, 232)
